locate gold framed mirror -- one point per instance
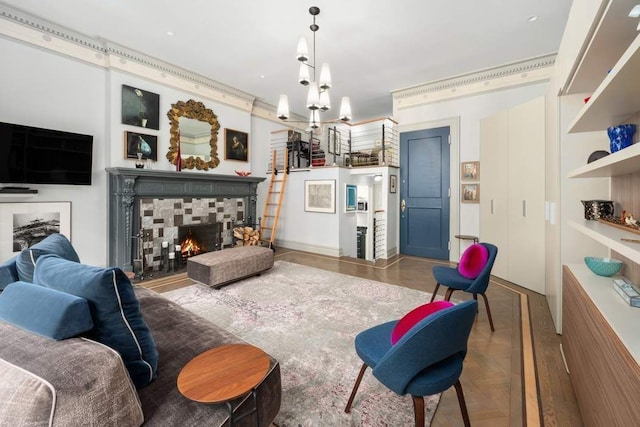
(194, 129)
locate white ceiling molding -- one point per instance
(268, 112)
(498, 78)
(28, 29)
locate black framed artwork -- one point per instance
(135, 143)
(140, 108)
(236, 145)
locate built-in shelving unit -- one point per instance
(617, 98)
(610, 237)
(619, 163)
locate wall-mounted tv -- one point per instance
(30, 155)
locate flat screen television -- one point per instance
(31, 155)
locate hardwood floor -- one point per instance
(513, 376)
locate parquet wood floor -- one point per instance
(514, 376)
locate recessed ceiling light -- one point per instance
(532, 18)
(635, 12)
(262, 76)
(170, 33)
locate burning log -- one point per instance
(247, 235)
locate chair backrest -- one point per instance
(480, 283)
(433, 339)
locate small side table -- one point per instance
(225, 373)
(466, 237)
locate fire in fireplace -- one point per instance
(199, 238)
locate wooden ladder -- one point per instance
(273, 203)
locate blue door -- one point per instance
(424, 193)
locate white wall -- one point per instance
(469, 110)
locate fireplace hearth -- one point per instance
(196, 239)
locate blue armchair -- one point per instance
(450, 277)
(426, 360)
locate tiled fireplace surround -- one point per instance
(160, 201)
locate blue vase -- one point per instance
(620, 136)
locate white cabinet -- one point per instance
(512, 144)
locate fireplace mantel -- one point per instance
(126, 186)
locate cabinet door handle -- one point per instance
(491, 206)
(524, 208)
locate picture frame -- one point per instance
(470, 171)
(335, 141)
(351, 198)
(393, 183)
(236, 145)
(139, 142)
(470, 193)
(140, 108)
(25, 224)
(320, 196)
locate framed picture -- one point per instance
(352, 196)
(393, 183)
(470, 193)
(334, 141)
(140, 108)
(236, 145)
(320, 196)
(470, 171)
(25, 224)
(135, 143)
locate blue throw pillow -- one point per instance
(8, 272)
(114, 307)
(56, 244)
(47, 312)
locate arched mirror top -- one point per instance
(179, 115)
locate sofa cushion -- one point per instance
(8, 273)
(56, 244)
(47, 312)
(114, 307)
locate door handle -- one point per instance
(524, 208)
(491, 206)
(403, 205)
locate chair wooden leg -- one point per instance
(418, 410)
(447, 295)
(463, 405)
(486, 304)
(355, 388)
(435, 291)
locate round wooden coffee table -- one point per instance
(224, 373)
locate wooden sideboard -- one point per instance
(601, 348)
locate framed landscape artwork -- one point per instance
(140, 108)
(25, 224)
(236, 145)
(470, 171)
(320, 196)
(135, 143)
(470, 193)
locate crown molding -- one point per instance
(507, 76)
(28, 29)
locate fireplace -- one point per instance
(132, 191)
(195, 239)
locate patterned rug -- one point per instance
(307, 319)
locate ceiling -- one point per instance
(372, 47)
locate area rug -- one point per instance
(307, 319)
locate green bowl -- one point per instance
(603, 266)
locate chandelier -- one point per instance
(318, 95)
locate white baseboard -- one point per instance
(304, 247)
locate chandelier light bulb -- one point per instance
(325, 77)
(325, 102)
(303, 75)
(314, 120)
(303, 50)
(313, 98)
(283, 107)
(345, 109)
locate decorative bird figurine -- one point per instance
(629, 220)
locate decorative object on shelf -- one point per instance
(236, 145)
(352, 195)
(603, 266)
(470, 171)
(621, 224)
(139, 143)
(597, 155)
(243, 173)
(140, 108)
(470, 193)
(596, 209)
(620, 136)
(193, 120)
(627, 291)
(139, 162)
(318, 95)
